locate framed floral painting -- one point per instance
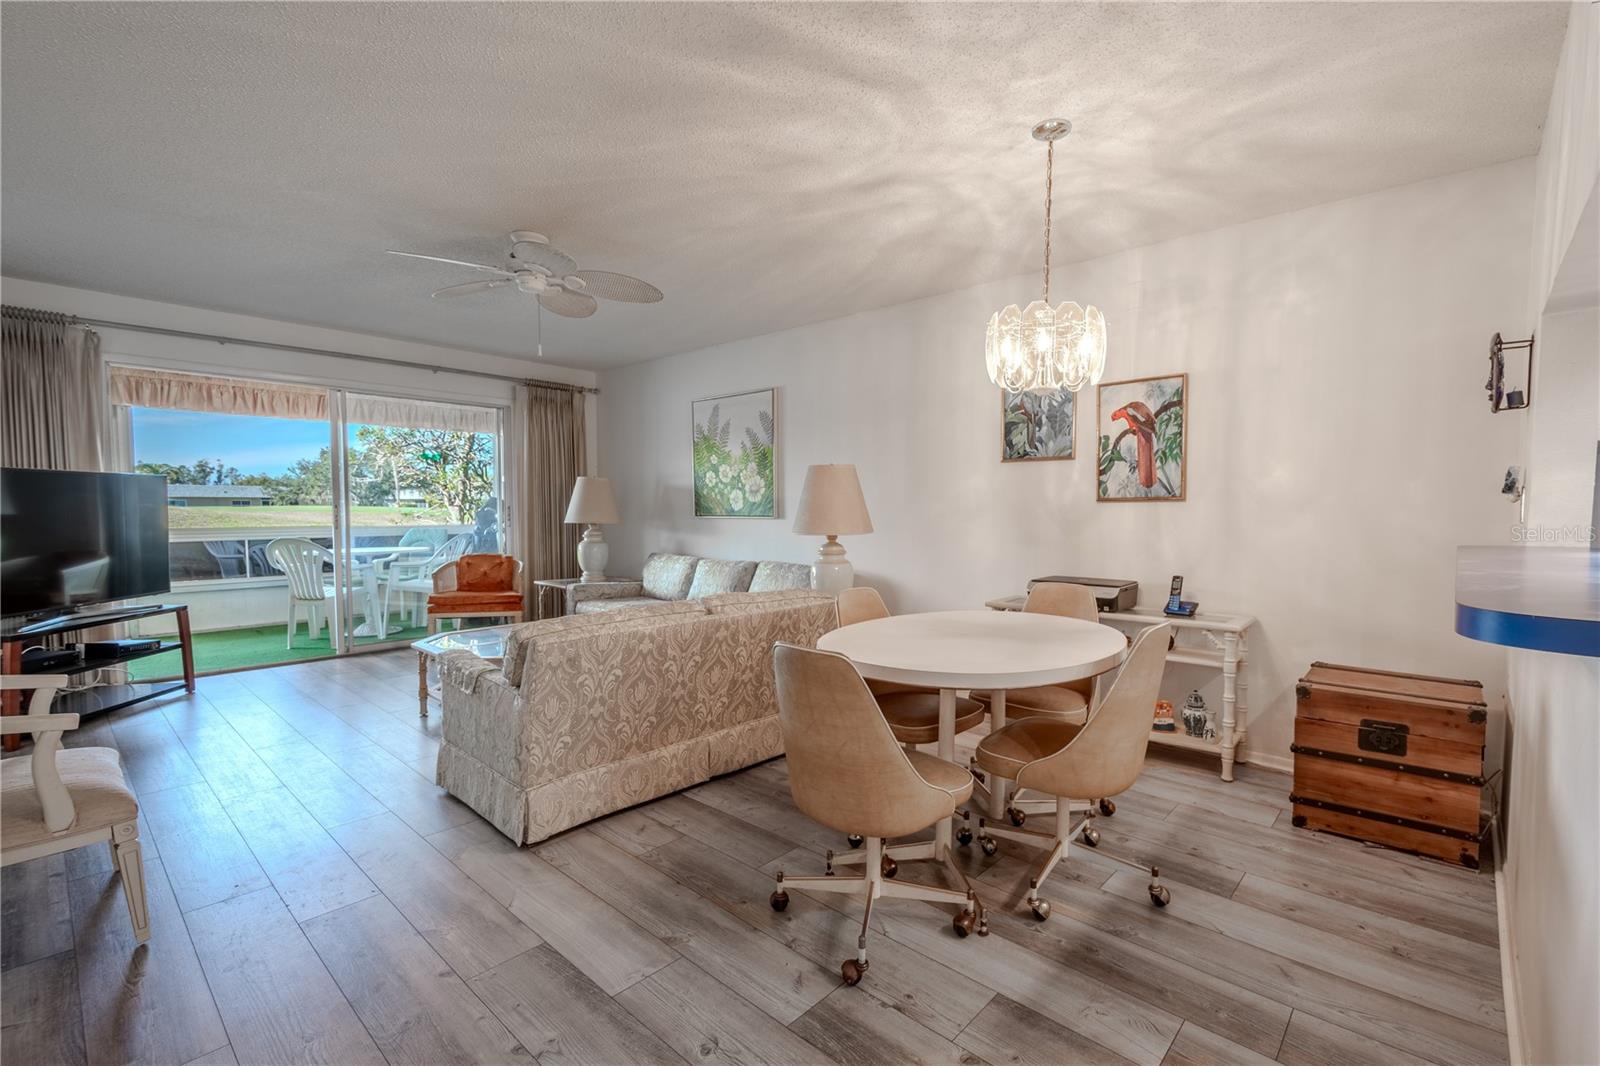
(1143, 427)
(735, 455)
(1037, 425)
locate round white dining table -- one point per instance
(989, 651)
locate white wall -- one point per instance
(440, 374)
(1340, 444)
(1550, 875)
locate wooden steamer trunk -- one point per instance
(1395, 759)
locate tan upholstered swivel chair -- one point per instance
(1068, 701)
(1071, 699)
(912, 712)
(847, 772)
(1079, 762)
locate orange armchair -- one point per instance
(476, 586)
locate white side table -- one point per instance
(1220, 646)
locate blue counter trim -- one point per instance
(1569, 636)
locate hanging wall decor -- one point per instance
(1037, 425)
(735, 465)
(1142, 428)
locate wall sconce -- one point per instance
(1501, 398)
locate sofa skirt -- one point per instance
(528, 815)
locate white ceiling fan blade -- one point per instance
(471, 286)
(453, 262)
(609, 286)
(568, 304)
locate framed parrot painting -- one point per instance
(1143, 430)
(1036, 425)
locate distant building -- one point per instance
(217, 496)
(411, 498)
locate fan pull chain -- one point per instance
(538, 328)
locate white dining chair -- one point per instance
(416, 579)
(62, 799)
(301, 562)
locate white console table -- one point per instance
(1210, 639)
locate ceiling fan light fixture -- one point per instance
(1042, 348)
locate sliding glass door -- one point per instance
(420, 487)
(278, 492)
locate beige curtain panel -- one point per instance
(133, 387)
(545, 456)
(54, 404)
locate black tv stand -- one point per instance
(78, 620)
(105, 697)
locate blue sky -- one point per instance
(254, 444)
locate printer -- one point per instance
(1110, 593)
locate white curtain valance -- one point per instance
(135, 387)
(419, 414)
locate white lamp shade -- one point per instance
(831, 503)
(592, 502)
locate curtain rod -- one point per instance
(217, 338)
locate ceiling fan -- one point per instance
(540, 269)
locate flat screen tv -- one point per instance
(70, 539)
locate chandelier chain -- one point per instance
(1049, 198)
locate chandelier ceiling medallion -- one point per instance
(1039, 347)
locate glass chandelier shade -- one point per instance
(1042, 348)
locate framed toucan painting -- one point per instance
(1142, 427)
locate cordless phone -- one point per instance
(1177, 606)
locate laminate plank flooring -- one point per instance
(316, 898)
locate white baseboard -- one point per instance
(1282, 764)
(1510, 987)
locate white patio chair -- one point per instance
(302, 562)
(60, 800)
(416, 579)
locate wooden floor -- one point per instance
(316, 899)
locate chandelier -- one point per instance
(1039, 347)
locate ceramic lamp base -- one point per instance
(593, 552)
(832, 572)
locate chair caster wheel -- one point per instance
(890, 867)
(853, 971)
(855, 841)
(1041, 908)
(983, 926)
(779, 900)
(989, 845)
(1018, 817)
(964, 923)
(1107, 808)
(1160, 896)
(964, 836)
(1091, 836)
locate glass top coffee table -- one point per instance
(488, 643)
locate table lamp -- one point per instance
(593, 504)
(830, 504)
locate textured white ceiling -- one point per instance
(765, 165)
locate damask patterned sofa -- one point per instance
(593, 713)
(668, 578)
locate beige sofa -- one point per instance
(597, 712)
(667, 578)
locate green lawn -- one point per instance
(234, 649)
(298, 517)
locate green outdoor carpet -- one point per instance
(236, 649)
